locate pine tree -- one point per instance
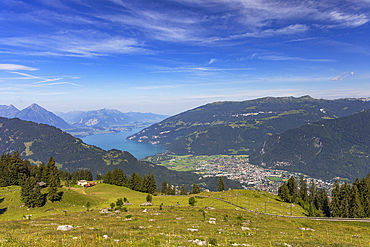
(303, 190)
(135, 182)
(345, 191)
(221, 185)
(107, 179)
(183, 190)
(53, 181)
(335, 203)
(325, 203)
(164, 187)
(52, 173)
(152, 186)
(145, 186)
(293, 188)
(196, 189)
(170, 189)
(312, 192)
(31, 194)
(355, 207)
(283, 192)
(88, 175)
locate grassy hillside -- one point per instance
(326, 149)
(171, 225)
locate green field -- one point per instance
(187, 162)
(169, 225)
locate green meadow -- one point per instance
(171, 221)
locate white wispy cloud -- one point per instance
(16, 67)
(39, 81)
(287, 58)
(341, 76)
(212, 61)
(83, 43)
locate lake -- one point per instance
(118, 141)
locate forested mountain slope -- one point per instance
(242, 127)
(325, 149)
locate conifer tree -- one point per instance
(303, 190)
(88, 175)
(335, 203)
(170, 189)
(183, 190)
(107, 179)
(221, 185)
(145, 184)
(196, 189)
(53, 181)
(31, 194)
(293, 188)
(345, 191)
(151, 185)
(312, 192)
(283, 192)
(164, 187)
(135, 182)
(52, 173)
(325, 203)
(356, 210)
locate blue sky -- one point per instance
(166, 57)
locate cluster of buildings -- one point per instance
(250, 176)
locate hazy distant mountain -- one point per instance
(106, 118)
(242, 127)
(325, 149)
(37, 114)
(34, 113)
(8, 111)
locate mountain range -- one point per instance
(34, 113)
(82, 123)
(37, 142)
(336, 148)
(242, 127)
(105, 118)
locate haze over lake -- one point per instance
(118, 141)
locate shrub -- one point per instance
(212, 241)
(192, 201)
(149, 198)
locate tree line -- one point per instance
(348, 201)
(135, 182)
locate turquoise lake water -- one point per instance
(118, 141)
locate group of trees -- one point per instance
(82, 174)
(315, 201)
(136, 182)
(31, 194)
(351, 201)
(16, 171)
(347, 201)
(168, 189)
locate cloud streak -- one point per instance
(341, 76)
(12, 67)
